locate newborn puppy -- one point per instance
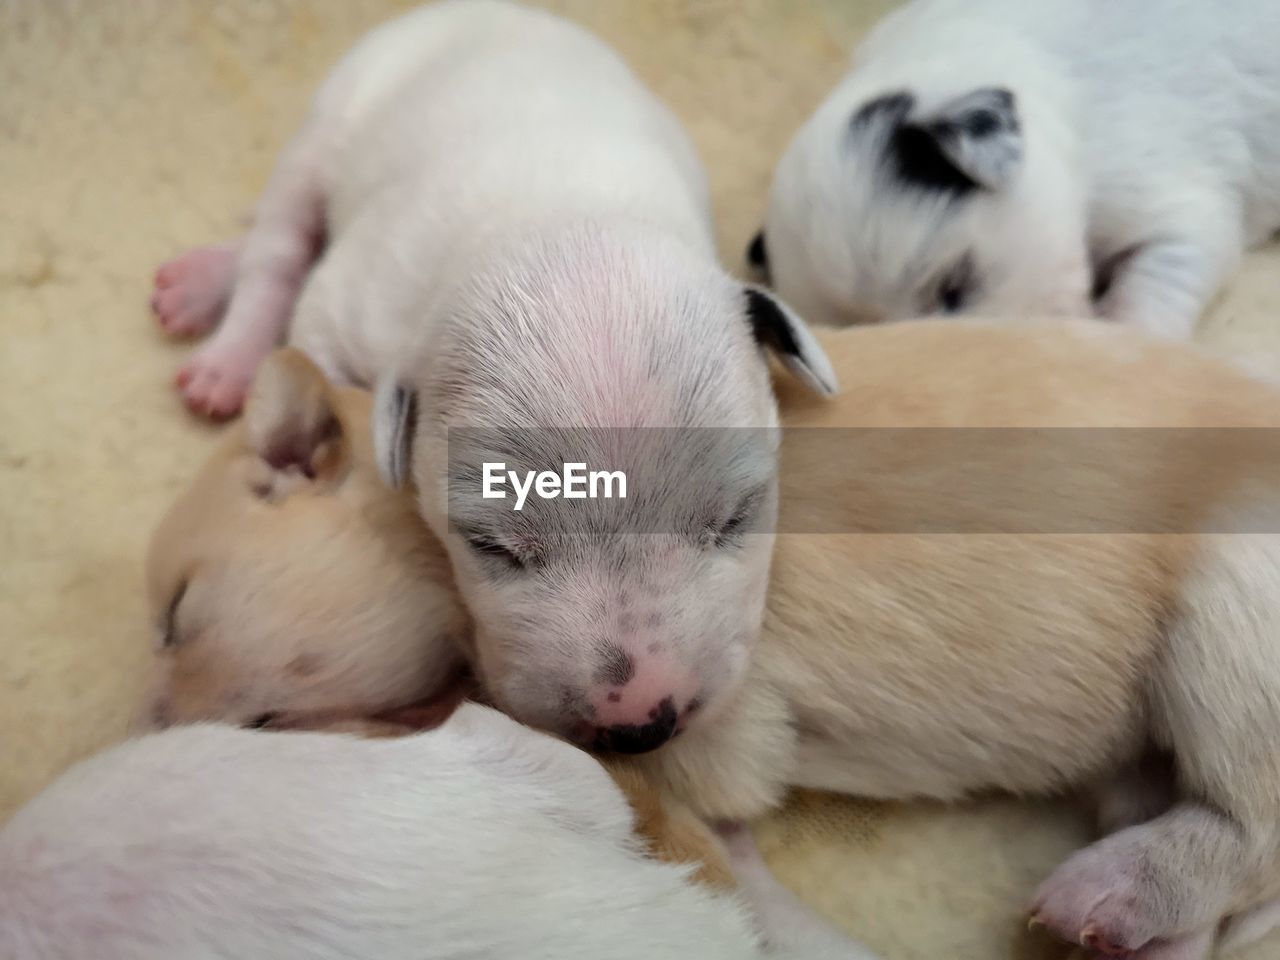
(1012, 158)
(496, 183)
(480, 839)
(261, 611)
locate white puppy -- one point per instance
(496, 183)
(480, 839)
(1010, 158)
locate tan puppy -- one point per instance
(287, 580)
(900, 659)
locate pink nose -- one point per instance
(645, 711)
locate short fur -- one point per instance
(939, 665)
(229, 648)
(480, 839)
(515, 232)
(1060, 145)
(374, 618)
(902, 662)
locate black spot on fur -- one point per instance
(757, 255)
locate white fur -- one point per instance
(520, 237)
(480, 839)
(517, 233)
(1148, 129)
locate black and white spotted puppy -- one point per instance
(1017, 158)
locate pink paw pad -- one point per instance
(192, 290)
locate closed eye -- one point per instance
(487, 546)
(955, 291)
(168, 629)
(730, 532)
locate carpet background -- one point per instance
(130, 129)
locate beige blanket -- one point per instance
(130, 129)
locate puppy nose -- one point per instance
(637, 738)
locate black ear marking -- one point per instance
(777, 328)
(969, 143)
(395, 425)
(918, 159)
(768, 325)
(757, 255)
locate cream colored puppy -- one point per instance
(286, 582)
(1030, 609)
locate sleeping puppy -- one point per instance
(1009, 158)
(291, 590)
(480, 839)
(517, 235)
(253, 580)
(967, 595)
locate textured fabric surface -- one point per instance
(130, 129)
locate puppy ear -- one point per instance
(970, 142)
(778, 327)
(290, 418)
(395, 420)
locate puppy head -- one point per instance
(901, 205)
(612, 621)
(287, 580)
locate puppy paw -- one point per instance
(191, 291)
(216, 380)
(1103, 900)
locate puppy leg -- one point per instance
(790, 929)
(1215, 695)
(280, 247)
(192, 290)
